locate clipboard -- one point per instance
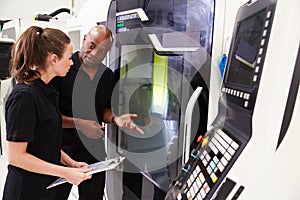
(97, 167)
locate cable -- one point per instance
(47, 17)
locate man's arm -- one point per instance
(68, 122)
(89, 128)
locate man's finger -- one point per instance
(139, 130)
(133, 116)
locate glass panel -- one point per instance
(157, 78)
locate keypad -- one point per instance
(211, 161)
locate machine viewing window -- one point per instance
(242, 60)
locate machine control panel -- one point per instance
(207, 163)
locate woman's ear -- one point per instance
(53, 58)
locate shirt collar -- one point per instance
(48, 90)
(77, 65)
(76, 61)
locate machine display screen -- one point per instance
(242, 61)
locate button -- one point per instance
(186, 191)
(213, 148)
(207, 157)
(248, 96)
(254, 78)
(205, 141)
(195, 153)
(206, 187)
(209, 169)
(200, 139)
(267, 23)
(269, 14)
(179, 197)
(216, 159)
(202, 157)
(224, 161)
(220, 166)
(265, 33)
(216, 170)
(258, 60)
(241, 94)
(257, 69)
(188, 194)
(212, 165)
(214, 178)
(186, 169)
(231, 151)
(199, 196)
(227, 156)
(202, 192)
(198, 183)
(195, 174)
(234, 145)
(192, 192)
(246, 103)
(202, 178)
(189, 182)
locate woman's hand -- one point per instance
(76, 164)
(76, 175)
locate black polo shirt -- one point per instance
(32, 116)
(81, 97)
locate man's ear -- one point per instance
(84, 38)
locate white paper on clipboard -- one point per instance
(97, 167)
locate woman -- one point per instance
(33, 119)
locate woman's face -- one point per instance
(63, 65)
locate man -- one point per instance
(85, 101)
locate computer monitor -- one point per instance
(246, 55)
(246, 47)
(11, 29)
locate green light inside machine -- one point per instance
(119, 25)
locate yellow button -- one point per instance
(205, 141)
(214, 179)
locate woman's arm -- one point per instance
(17, 156)
(69, 162)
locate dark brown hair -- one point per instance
(31, 50)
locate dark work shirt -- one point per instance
(32, 116)
(81, 97)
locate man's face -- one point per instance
(94, 49)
